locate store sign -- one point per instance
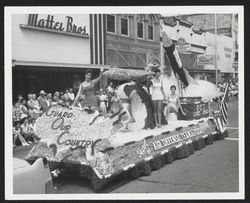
(52, 24)
(159, 144)
(182, 46)
(205, 59)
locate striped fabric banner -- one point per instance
(97, 40)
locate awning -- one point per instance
(56, 65)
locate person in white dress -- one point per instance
(173, 103)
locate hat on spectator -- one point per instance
(42, 92)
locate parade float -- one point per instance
(103, 150)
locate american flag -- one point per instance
(220, 116)
(224, 106)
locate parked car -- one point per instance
(31, 179)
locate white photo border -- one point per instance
(175, 10)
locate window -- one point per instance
(140, 30)
(111, 23)
(124, 26)
(150, 32)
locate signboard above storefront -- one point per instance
(49, 23)
(205, 59)
(182, 46)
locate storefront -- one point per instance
(52, 52)
(132, 40)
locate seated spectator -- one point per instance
(62, 101)
(43, 101)
(26, 130)
(17, 134)
(31, 125)
(23, 108)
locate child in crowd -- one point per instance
(71, 96)
(17, 134)
(103, 101)
(114, 104)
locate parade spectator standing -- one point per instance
(103, 101)
(66, 96)
(17, 112)
(157, 95)
(56, 98)
(19, 98)
(49, 99)
(23, 108)
(111, 88)
(43, 101)
(37, 107)
(71, 96)
(33, 106)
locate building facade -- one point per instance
(207, 22)
(204, 43)
(132, 40)
(226, 24)
(51, 52)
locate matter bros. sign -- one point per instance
(49, 23)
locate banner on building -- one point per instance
(182, 46)
(203, 59)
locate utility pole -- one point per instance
(233, 37)
(215, 37)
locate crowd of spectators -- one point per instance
(233, 87)
(25, 112)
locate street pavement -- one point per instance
(212, 169)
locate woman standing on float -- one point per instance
(86, 91)
(157, 96)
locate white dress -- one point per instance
(156, 91)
